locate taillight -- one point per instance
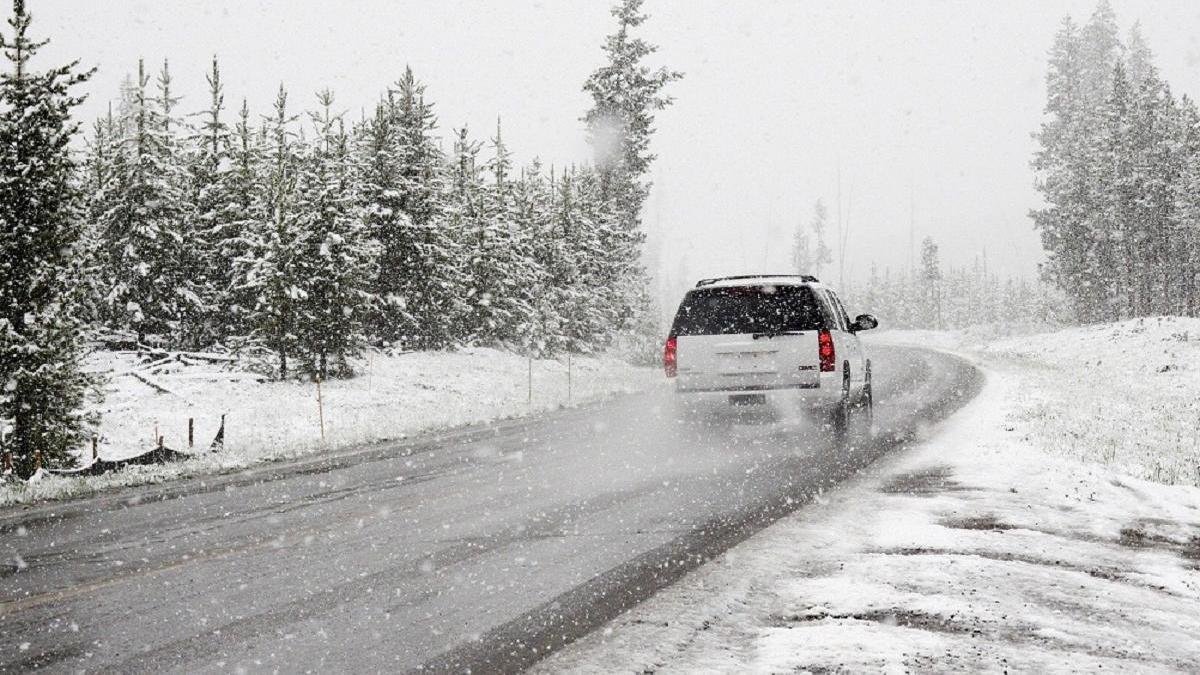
(669, 357)
(825, 352)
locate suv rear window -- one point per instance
(748, 309)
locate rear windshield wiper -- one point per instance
(776, 333)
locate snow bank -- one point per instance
(981, 549)
(1124, 394)
(392, 397)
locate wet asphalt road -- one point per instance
(480, 549)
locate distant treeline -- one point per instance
(1119, 168)
(929, 297)
(955, 297)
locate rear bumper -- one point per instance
(823, 394)
(744, 389)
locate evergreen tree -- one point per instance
(606, 286)
(626, 95)
(1139, 58)
(42, 384)
(498, 274)
(802, 254)
(208, 261)
(1186, 212)
(532, 208)
(822, 255)
(276, 274)
(141, 232)
(418, 270)
(243, 235)
(1064, 164)
(378, 166)
(335, 261)
(931, 279)
(102, 170)
(1100, 49)
(516, 276)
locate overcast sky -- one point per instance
(928, 103)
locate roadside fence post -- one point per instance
(569, 383)
(191, 432)
(218, 442)
(320, 409)
(530, 400)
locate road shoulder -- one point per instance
(975, 550)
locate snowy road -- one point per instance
(481, 548)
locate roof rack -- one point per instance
(802, 277)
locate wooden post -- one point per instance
(569, 383)
(218, 442)
(191, 432)
(530, 380)
(320, 409)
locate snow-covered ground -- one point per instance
(394, 396)
(1014, 538)
(1126, 394)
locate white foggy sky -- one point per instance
(938, 98)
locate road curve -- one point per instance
(484, 548)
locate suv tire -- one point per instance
(842, 416)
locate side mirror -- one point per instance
(864, 322)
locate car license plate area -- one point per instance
(748, 363)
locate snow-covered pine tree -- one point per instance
(931, 280)
(185, 257)
(1159, 162)
(1186, 212)
(822, 255)
(377, 149)
(243, 236)
(336, 260)
(1062, 175)
(1139, 59)
(215, 214)
(516, 274)
(626, 94)
(601, 290)
(141, 232)
(419, 266)
(100, 182)
(496, 273)
(463, 215)
(43, 387)
(1110, 207)
(532, 214)
(276, 275)
(802, 253)
(1100, 50)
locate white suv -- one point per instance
(747, 338)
